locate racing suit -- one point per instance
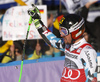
(80, 58)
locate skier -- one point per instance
(80, 57)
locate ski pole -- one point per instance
(30, 22)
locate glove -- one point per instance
(35, 15)
(34, 12)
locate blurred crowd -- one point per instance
(35, 49)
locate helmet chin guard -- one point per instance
(74, 24)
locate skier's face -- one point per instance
(67, 39)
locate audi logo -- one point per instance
(70, 73)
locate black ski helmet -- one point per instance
(74, 24)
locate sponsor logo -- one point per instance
(73, 75)
(88, 57)
(61, 21)
(71, 55)
(78, 33)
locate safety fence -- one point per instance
(39, 70)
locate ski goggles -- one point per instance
(63, 31)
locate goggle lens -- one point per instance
(63, 31)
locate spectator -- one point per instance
(38, 50)
(18, 51)
(52, 52)
(86, 36)
(4, 47)
(9, 56)
(92, 27)
(13, 54)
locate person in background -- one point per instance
(18, 51)
(13, 54)
(80, 58)
(52, 52)
(9, 56)
(48, 49)
(4, 47)
(38, 50)
(86, 36)
(92, 28)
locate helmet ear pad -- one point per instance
(78, 33)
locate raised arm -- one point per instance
(46, 34)
(85, 9)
